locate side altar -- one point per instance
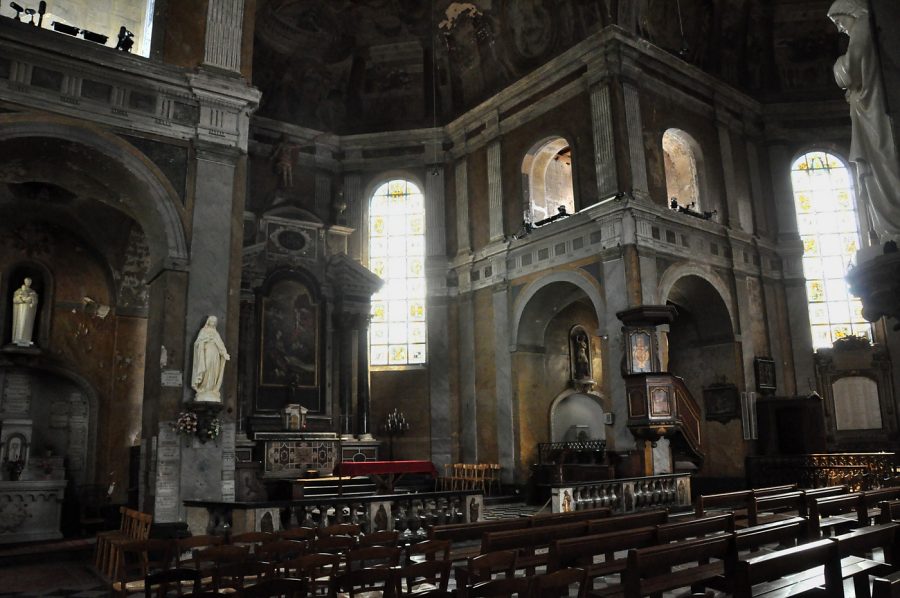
(288, 454)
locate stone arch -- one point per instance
(675, 272)
(155, 206)
(90, 395)
(563, 287)
(548, 164)
(592, 398)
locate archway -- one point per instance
(683, 162)
(101, 219)
(703, 350)
(547, 399)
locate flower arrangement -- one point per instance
(187, 423)
(204, 427)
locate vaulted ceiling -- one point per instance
(366, 65)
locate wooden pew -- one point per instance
(888, 511)
(581, 552)
(854, 548)
(695, 528)
(650, 570)
(834, 513)
(872, 499)
(773, 507)
(620, 522)
(886, 587)
(788, 531)
(737, 502)
(765, 575)
(460, 533)
(531, 540)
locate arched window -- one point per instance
(547, 175)
(397, 254)
(681, 155)
(829, 229)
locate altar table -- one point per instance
(385, 473)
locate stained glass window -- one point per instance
(829, 229)
(397, 254)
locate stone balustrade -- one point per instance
(626, 495)
(410, 514)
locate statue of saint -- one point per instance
(25, 301)
(872, 146)
(209, 363)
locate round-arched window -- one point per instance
(680, 158)
(398, 331)
(829, 229)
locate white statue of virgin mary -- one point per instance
(872, 146)
(209, 363)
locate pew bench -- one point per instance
(785, 532)
(775, 507)
(835, 514)
(738, 502)
(872, 500)
(888, 511)
(651, 570)
(531, 544)
(887, 587)
(788, 573)
(856, 546)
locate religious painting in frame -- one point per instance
(722, 401)
(641, 352)
(765, 375)
(289, 338)
(660, 402)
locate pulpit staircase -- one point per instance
(661, 406)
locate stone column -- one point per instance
(353, 197)
(438, 319)
(323, 195)
(506, 430)
(495, 190)
(362, 388)
(604, 141)
(727, 157)
(757, 199)
(636, 154)
(463, 241)
(345, 376)
(224, 30)
(469, 408)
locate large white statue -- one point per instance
(25, 301)
(872, 146)
(209, 363)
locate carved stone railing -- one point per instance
(410, 514)
(859, 471)
(626, 495)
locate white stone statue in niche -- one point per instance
(25, 301)
(872, 146)
(209, 363)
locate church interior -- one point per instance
(439, 256)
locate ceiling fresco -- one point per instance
(367, 65)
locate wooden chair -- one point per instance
(334, 544)
(317, 569)
(208, 560)
(185, 547)
(560, 583)
(424, 576)
(251, 539)
(136, 559)
(493, 477)
(137, 527)
(429, 550)
(231, 578)
(373, 582)
(297, 533)
(280, 550)
(519, 587)
(287, 587)
(373, 556)
(162, 584)
(381, 538)
(484, 566)
(102, 549)
(339, 529)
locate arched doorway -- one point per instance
(702, 350)
(550, 403)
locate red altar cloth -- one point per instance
(359, 468)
